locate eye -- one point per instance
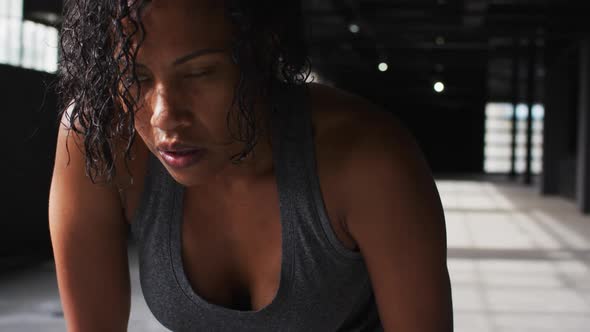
(129, 81)
(198, 74)
(143, 78)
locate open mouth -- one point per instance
(182, 159)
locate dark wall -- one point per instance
(48, 6)
(29, 139)
(449, 127)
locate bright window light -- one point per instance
(39, 47)
(522, 111)
(498, 137)
(24, 43)
(10, 31)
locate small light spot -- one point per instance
(439, 87)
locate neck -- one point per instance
(256, 165)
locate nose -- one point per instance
(167, 115)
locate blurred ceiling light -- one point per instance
(354, 28)
(383, 67)
(440, 40)
(439, 87)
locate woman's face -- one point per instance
(187, 80)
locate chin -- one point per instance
(189, 177)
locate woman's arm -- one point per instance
(396, 217)
(89, 239)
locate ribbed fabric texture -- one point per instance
(324, 286)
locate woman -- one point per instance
(258, 202)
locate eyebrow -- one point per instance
(197, 54)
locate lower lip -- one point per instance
(182, 160)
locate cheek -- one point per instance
(211, 104)
(142, 124)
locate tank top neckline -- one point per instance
(281, 129)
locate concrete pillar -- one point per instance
(515, 100)
(530, 96)
(560, 104)
(583, 154)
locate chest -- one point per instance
(232, 248)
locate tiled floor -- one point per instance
(29, 301)
(518, 262)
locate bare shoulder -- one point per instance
(335, 109)
(369, 145)
(362, 132)
(130, 177)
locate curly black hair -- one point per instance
(97, 69)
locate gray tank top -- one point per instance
(324, 286)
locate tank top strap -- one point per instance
(297, 174)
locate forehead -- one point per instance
(181, 26)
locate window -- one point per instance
(24, 43)
(498, 138)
